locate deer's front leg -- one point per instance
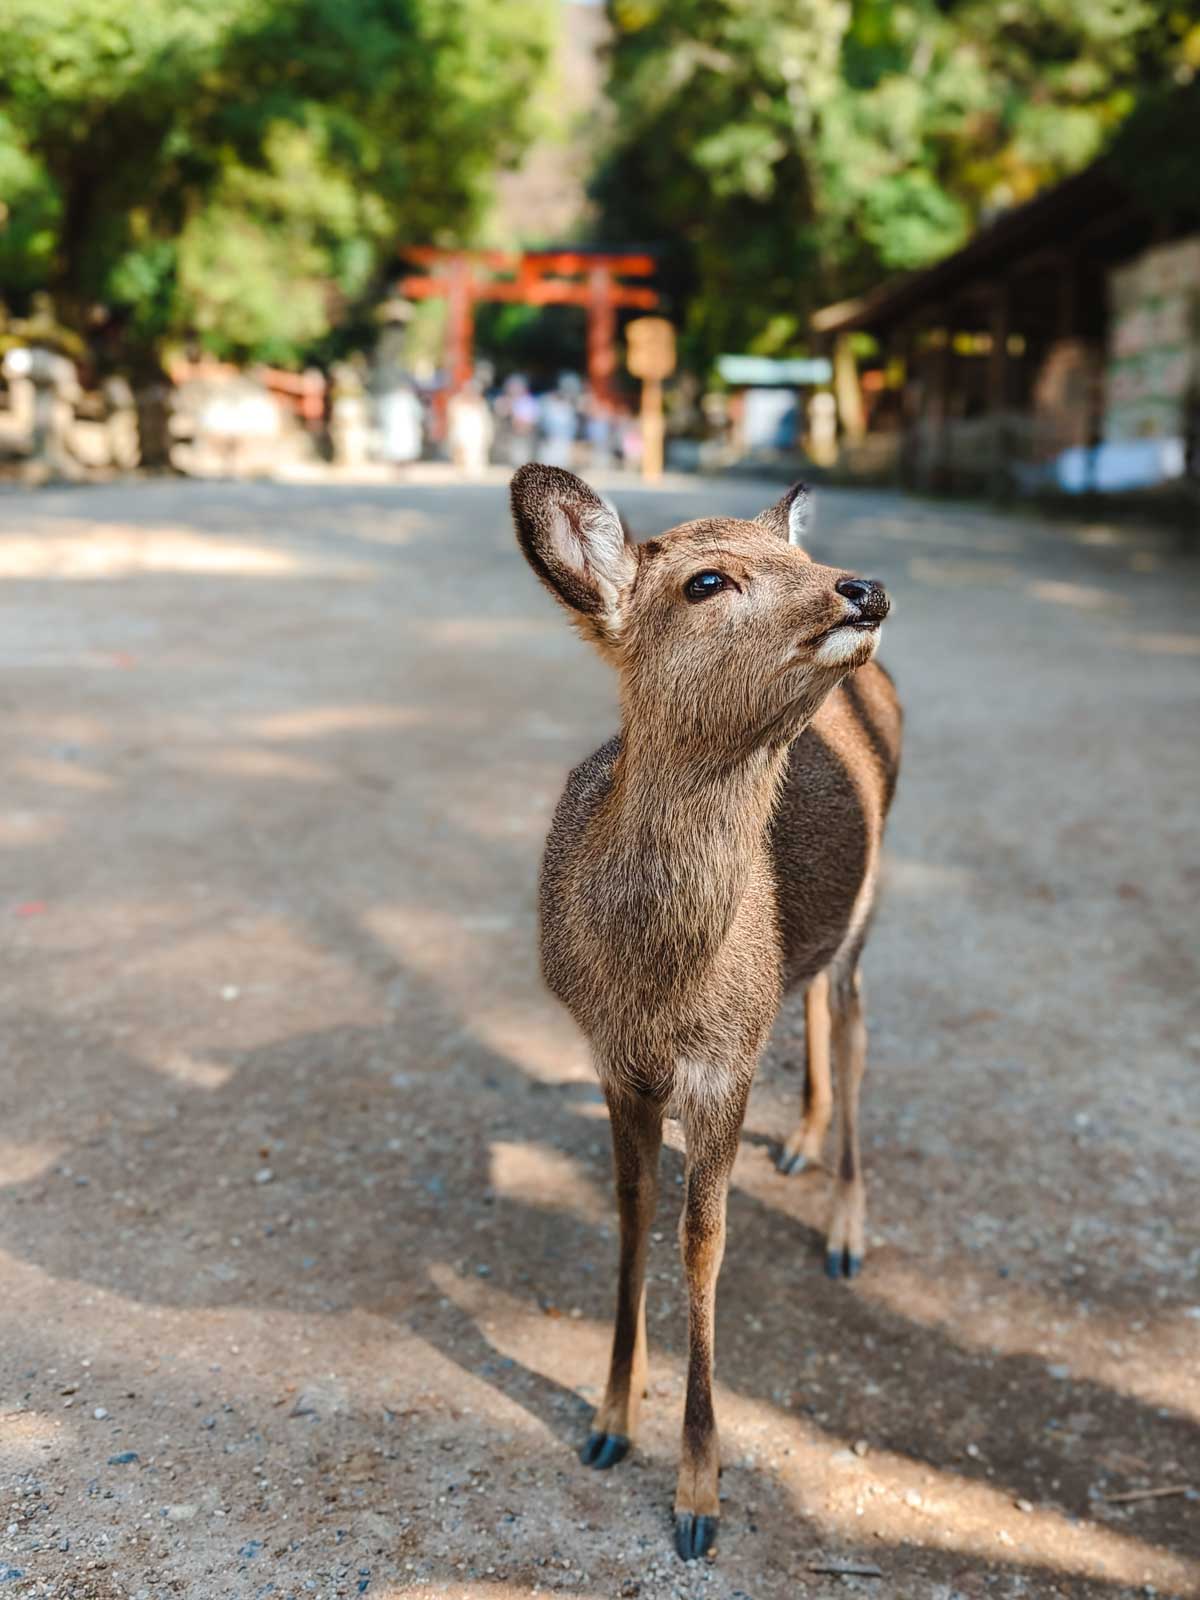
(637, 1139)
(711, 1152)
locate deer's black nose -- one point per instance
(870, 597)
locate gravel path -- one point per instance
(306, 1244)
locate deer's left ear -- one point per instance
(577, 545)
(789, 517)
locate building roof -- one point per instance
(1056, 220)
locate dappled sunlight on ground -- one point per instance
(21, 829)
(966, 531)
(84, 552)
(1156, 643)
(469, 632)
(60, 774)
(1151, 1359)
(924, 879)
(24, 1437)
(23, 1160)
(241, 761)
(320, 722)
(192, 1071)
(529, 1172)
(1084, 597)
(881, 1496)
(304, 1180)
(962, 574)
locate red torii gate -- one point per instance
(533, 278)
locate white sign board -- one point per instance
(762, 372)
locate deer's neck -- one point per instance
(682, 840)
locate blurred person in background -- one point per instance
(516, 422)
(560, 428)
(401, 420)
(629, 437)
(469, 430)
(598, 430)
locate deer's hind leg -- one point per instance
(802, 1147)
(637, 1139)
(845, 1242)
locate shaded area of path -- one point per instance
(304, 1180)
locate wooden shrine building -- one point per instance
(1040, 338)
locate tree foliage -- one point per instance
(240, 170)
(783, 152)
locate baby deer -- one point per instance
(721, 850)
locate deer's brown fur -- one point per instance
(720, 851)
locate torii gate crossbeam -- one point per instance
(536, 278)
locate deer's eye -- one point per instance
(703, 585)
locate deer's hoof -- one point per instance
(842, 1264)
(604, 1450)
(790, 1165)
(694, 1536)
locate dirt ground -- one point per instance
(306, 1244)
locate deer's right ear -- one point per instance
(789, 517)
(576, 544)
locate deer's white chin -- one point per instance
(847, 646)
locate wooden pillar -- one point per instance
(652, 429)
(601, 335)
(939, 406)
(1068, 296)
(999, 329)
(997, 389)
(1071, 325)
(910, 409)
(460, 322)
(846, 388)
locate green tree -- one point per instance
(950, 112)
(29, 214)
(715, 106)
(786, 152)
(241, 170)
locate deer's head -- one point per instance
(726, 635)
